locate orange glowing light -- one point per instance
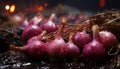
(12, 8)
(40, 8)
(102, 3)
(7, 7)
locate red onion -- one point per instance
(30, 31)
(35, 50)
(38, 37)
(95, 49)
(72, 50)
(57, 47)
(108, 39)
(50, 26)
(36, 20)
(81, 38)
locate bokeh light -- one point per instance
(7, 7)
(12, 8)
(40, 8)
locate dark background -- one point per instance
(88, 5)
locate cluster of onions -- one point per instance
(36, 25)
(57, 48)
(32, 34)
(94, 49)
(22, 21)
(97, 48)
(80, 43)
(35, 47)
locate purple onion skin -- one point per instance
(35, 50)
(108, 39)
(81, 38)
(94, 50)
(34, 38)
(49, 26)
(30, 31)
(57, 48)
(38, 37)
(72, 50)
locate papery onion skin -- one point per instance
(108, 39)
(30, 31)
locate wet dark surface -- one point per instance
(17, 60)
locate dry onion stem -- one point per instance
(107, 20)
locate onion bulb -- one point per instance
(73, 51)
(108, 39)
(30, 31)
(35, 50)
(49, 25)
(82, 38)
